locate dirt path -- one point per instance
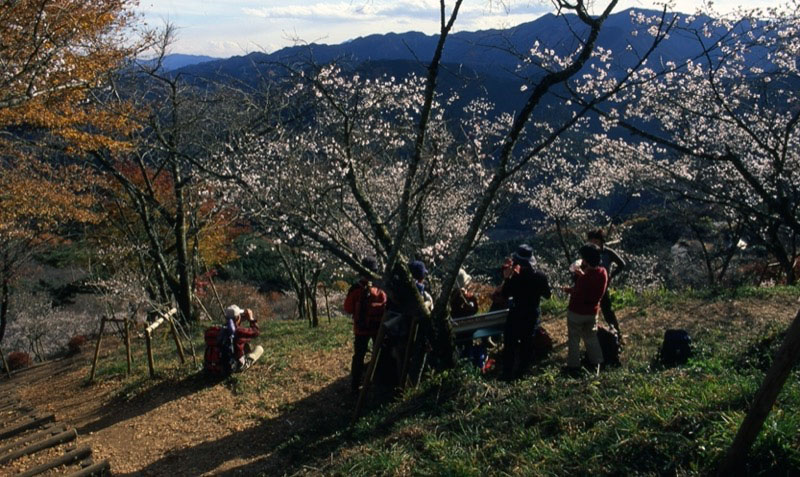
(193, 427)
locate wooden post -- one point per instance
(177, 339)
(150, 362)
(148, 335)
(412, 339)
(128, 344)
(376, 354)
(788, 354)
(5, 363)
(327, 306)
(97, 348)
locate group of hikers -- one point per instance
(521, 291)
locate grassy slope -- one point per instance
(635, 420)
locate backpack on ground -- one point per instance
(212, 362)
(676, 348)
(609, 345)
(218, 357)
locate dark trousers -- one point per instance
(608, 313)
(360, 347)
(517, 346)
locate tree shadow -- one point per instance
(121, 409)
(308, 430)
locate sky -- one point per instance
(224, 28)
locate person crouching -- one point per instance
(243, 355)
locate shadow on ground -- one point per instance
(308, 430)
(120, 409)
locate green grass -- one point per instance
(636, 420)
(639, 419)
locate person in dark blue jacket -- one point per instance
(525, 286)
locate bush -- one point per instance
(75, 344)
(19, 360)
(237, 293)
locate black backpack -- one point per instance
(609, 344)
(676, 349)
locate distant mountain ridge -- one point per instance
(176, 61)
(487, 52)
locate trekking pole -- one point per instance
(213, 288)
(412, 339)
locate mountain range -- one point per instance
(487, 53)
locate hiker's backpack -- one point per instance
(212, 359)
(219, 355)
(371, 308)
(609, 345)
(676, 349)
(542, 343)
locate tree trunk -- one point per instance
(787, 357)
(5, 293)
(707, 259)
(404, 292)
(183, 267)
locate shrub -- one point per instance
(340, 286)
(237, 293)
(75, 344)
(19, 360)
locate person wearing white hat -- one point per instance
(243, 354)
(462, 301)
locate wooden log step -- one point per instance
(99, 468)
(10, 404)
(50, 431)
(68, 458)
(10, 419)
(10, 431)
(15, 410)
(57, 439)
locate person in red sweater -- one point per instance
(367, 303)
(584, 304)
(244, 356)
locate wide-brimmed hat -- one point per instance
(417, 269)
(463, 278)
(370, 264)
(232, 312)
(524, 255)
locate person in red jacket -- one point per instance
(584, 304)
(367, 304)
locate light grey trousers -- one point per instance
(582, 327)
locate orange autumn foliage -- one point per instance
(37, 198)
(213, 228)
(52, 52)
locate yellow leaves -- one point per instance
(52, 52)
(38, 198)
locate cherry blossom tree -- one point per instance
(724, 125)
(376, 166)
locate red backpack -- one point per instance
(367, 303)
(212, 360)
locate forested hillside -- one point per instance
(398, 173)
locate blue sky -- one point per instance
(226, 28)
